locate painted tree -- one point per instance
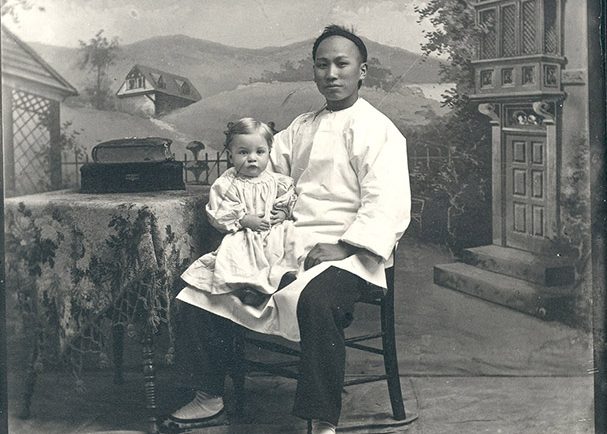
(10, 8)
(378, 76)
(466, 177)
(455, 35)
(98, 54)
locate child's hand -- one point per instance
(277, 216)
(256, 223)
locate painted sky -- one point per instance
(241, 23)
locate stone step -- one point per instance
(541, 301)
(543, 270)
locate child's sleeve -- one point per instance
(225, 208)
(285, 194)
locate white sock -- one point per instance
(203, 405)
(322, 427)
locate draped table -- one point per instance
(85, 268)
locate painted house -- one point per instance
(152, 92)
(32, 92)
(532, 82)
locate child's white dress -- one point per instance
(247, 258)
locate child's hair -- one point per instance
(248, 126)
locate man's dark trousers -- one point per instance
(325, 308)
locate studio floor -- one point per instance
(466, 365)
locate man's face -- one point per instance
(249, 154)
(337, 70)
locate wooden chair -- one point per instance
(372, 295)
(417, 211)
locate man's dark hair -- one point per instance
(335, 30)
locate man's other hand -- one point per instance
(277, 216)
(323, 252)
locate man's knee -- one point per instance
(329, 296)
(312, 305)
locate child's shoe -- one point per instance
(251, 297)
(287, 278)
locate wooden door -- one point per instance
(527, 205)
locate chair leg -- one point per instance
(118, 345)
(149, 373)
(391, 358)
(238, 373)
(30, 384)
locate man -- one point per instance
(349, 163)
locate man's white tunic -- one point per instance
(352, 181)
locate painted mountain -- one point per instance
(214, 67)
(237, 82)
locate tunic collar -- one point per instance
(324, 108)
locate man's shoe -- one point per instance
(321, 427)
(203, 411)
(175, 425)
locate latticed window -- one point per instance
(529, 24)
(488, 42)
(31, 142)
(551, 42)
(513, 28)
(508, 30)
(135, 81)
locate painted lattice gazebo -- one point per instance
(31, 95)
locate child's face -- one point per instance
(249, 154)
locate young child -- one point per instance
(254, 255)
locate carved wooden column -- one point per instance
(54, 129)
(493, 112)
(7, 140)
(548, 111)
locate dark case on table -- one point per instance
(132, 165)
(133, 150)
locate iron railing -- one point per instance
(207, 168)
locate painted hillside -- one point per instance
(95, 126)
(281, 103)
(206, 119)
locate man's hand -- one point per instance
(254, 222)
(277, 216)
(322, 252)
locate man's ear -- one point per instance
(229, 156)
(363, 70)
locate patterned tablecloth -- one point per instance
(82, 265)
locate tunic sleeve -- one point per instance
(280, 155)
(225, 208)
(379, 158)
(285, 194)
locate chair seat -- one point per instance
(372, 294)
